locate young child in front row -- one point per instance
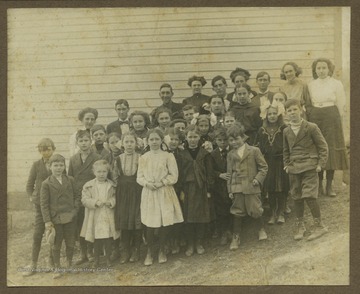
(195, 182)
(40, 170)
(159, 206)
(59, 206)
(247, 168)
(128, 198)
(305, 155)
(98, 198)
(221, 199)
(270, 142)
(80, 167)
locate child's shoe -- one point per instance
(272, 220)
(175, 247)
(162, 256)
(82, 260)
(149, 259)
(224, 238)
(300, 227)
(190, 250)
(124, 256)
(135, 255)
(234, 245)
(200, 249)
(262, 234)
(31, 270)
(318, 231)
(115, 255)
(281, 219)
(287, 209)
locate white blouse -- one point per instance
(328, 90)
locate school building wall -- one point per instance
(62, 60)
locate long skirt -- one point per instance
(127, 209)
(329, 122)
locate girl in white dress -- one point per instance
(160, 207)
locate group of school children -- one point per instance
(197, 168)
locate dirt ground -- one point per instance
(277, 261)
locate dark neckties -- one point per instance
(223, 153)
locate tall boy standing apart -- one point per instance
(39, 172)
(305, 154)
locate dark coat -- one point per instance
(38, 174)
(59, 203)
(244, 170)
(305, 151)
(114, 127)
(249, 116)
(220, 194)
(195, 180)
(82, 172)
(196, 100)
(104, 153)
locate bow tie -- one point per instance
(121, 122)
(223, 153)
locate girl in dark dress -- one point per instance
(270, 142)
(128, 198)
(195, 182)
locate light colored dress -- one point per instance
(99, 222)
(159, 207)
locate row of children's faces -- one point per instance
(138, 122)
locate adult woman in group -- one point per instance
(196, 83)
(327, 110)
(239, 77)
(88, 117)
(294, 87)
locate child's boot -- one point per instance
(190, 248)
(321, 188)
(149, 259)
(300, 229)
(135, 255)
(199, 247)
(162, 255)
(235, 242)
(272, 219)
(329, 191)
(318, 231)
(31, 270)
(262, 233)
(83, 252)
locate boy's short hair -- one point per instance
(96, 128)
(162, 110)
(81, 134)
(261, 74)
(218, 78)
(201, 118)
(236, 130)
(219, 132)
(174, 132)
(101, 162)
(122, 101)
(86, 110)
(192, 128)
(167, 85)
(188, 107)
(178, 120)
(44, 143)
(292, 102)
(113, 134)
(230, 113)
(56, 158)
(216, 96)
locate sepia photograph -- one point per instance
(178, 146)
